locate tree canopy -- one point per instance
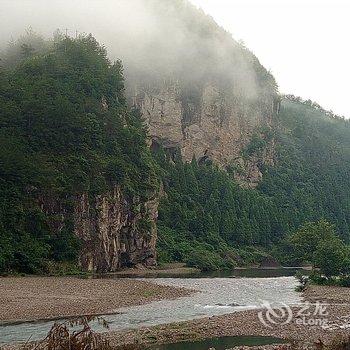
(65, 129)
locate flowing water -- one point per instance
(214, 296)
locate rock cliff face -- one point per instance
(116, 232)
(210, 124)
(200, 93)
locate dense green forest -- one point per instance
(64, 129)
(206, 217)
(311, 179)
(208, 220)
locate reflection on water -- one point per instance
(220, 343)
(215, 296)
(239, 272)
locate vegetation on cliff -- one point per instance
(311, 178)
(206, 217)
(65, 129)
(210, 222)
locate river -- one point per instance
(214, 296)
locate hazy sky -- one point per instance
(305, 43)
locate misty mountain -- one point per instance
(186, 124)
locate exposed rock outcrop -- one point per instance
(210, 123)
(115, 231)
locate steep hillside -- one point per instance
(311, 176)
(77, 180)
(202, 92)
(209, 221)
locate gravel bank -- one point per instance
(33, 298)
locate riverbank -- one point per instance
(170, 269)
(38, 294)
(37, 298)
(297, 332)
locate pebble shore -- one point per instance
(37, 298)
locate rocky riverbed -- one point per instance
(303, 326)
